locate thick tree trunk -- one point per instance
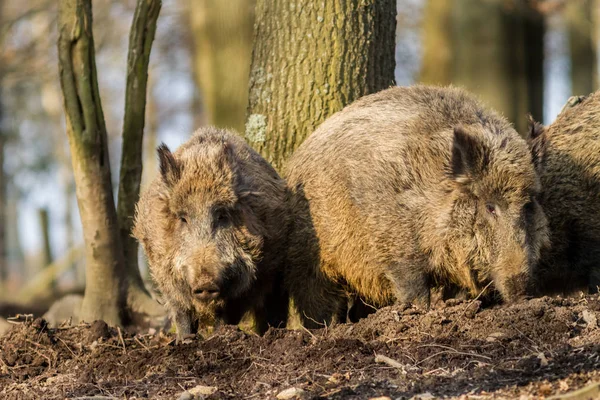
(222, 40)
(493, 58)
(436, 63)
(141, 37)
(104, 292)
(310, 59)
(581, 31)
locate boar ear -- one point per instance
(169, 167)
(469, 154)
(536, 139)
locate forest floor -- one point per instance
(528, 350)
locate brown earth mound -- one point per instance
(530, 350)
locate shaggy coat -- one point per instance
(407, 189)
(568, 152)
(213, 225)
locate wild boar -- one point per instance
(408, 189)
(568, 152)
(214, 225)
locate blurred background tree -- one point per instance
(519, 55)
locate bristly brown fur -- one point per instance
(407, 189)
(215, 221)
(568, 151)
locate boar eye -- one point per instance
(221, 217)
(182, 218)
(491, 208)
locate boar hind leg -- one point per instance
(411, 286)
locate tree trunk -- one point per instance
(47, 248)
(3, 260)
(533, 55)
(141, 37)
(310, 60)
(581, 31)
(493, 58)
(3, 252)
(436, 63)
(222, 49)
(104, 292)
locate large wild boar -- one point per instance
(569, 154)
(407, 189)
(213, 225)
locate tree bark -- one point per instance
(436, 63)
(498, 54)
(311, 59)
(104, 292)
(141, 36)
(582, 46)
(222, 49)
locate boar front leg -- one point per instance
(411, 284)
(273, 310)
(183, 324)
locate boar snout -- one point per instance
(206, 290)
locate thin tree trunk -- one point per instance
(141, 37)
(3, 252)
(310, 59)
(222, 49)
(493, 58)
(47, 248)
(3, 261)
(436, 64)
(104, 292)
(533, 53)
(581, 31)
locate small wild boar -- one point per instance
(213, 225)
(568, 152)
(408, 189)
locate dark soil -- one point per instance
(527, 350)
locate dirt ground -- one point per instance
(532, 349)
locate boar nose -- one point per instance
(206, 292)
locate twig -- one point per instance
(391, 362)
(141, 344)
(121, 339)
(68, 348)
(476, 298)
(309, 332)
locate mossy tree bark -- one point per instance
(141, 36)
(109, 293)
(222, 48)
(436, 63)
(582, 46)
(498, 54)
(310, 59)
